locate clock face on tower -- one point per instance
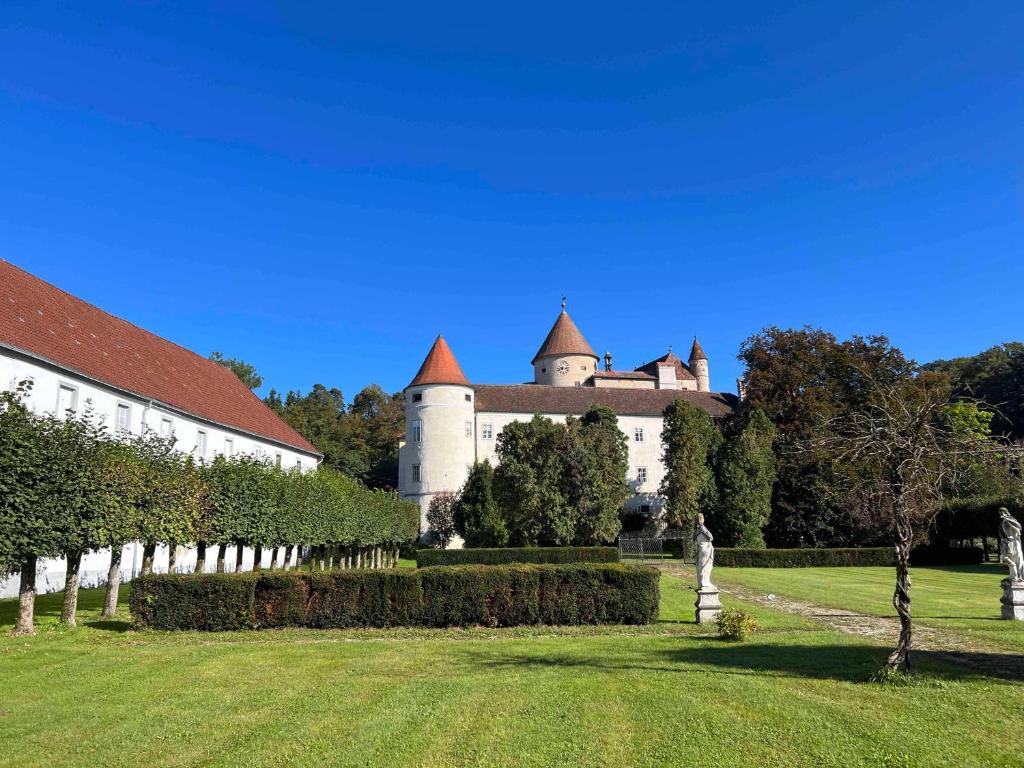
(563, 368)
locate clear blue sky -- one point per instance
(320, 192)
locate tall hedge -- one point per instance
(496, 596)
(501, 556)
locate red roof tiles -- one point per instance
(439, 367)
(682, 372)
(564, 338)
(45, 322)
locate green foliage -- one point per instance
(745, 471)
(441, 518)
(947, 556)
(500, 556)
(803, 558)
(559, 484)
(475, 516)
(735, 625)
(508, 595)
(246, 373)
(242, 502)
(690, 443)
(360, 439)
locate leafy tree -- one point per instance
(441, 518)
(690, 443)
(596, 460)
(996, 377)
(246, 373)
(746, 475)
(476, 517)
(803, 378)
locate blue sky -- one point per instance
(322, 191)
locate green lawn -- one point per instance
(670, 694)
(963, 600)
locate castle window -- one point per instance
(166, 427)
(123, 419)
(469, 429)
(645, 509)
(638, 434)
(415, 473)
(67, 399)
(277, 460)
(201, 444)
(416, 431)
(469, 398)
(487, 432)
(229, 446)
(641, 475)
(418, 397)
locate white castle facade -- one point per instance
(451, 423)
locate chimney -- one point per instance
(607, 361)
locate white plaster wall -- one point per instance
(625, 383)
(581, 368)
(699, 368)
(103, 400)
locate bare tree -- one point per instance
(899, 452)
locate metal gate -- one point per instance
(670, 545)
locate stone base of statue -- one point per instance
(708, 605)
(1013, 599)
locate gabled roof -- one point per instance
(538, 398)
(44, 322)
(697, 351)
(439, 367)
(564, 338)
(682, 372)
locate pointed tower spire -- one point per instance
(697, 351)
(698, 365)
(564, 338)
(439, 367)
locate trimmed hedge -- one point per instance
(443, 596)
(947, 556)
(426, 558)
(803, 558)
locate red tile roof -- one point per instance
(682, 372)
(45, 322)
(439, 367)
(540, 398)
(564, 338)
(697, 351)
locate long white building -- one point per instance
(77, 356)
(451, 423)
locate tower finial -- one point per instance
(563, 302)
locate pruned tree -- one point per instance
(690, 442)
(745, 471)
(897, 453)
(476, 516)
(441, 518)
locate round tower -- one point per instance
(698, 365)
(565, 359)
(439, 445)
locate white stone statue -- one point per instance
(1010, 547)
(705, 556)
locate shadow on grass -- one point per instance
(846, 663)
(109, 625)
(48, 608)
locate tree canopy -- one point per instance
(245, 372)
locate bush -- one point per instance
(498, 556)
(947, 556)
(444, 596)
(735, 625)
(802, 558)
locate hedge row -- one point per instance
(803, 558)
(503, 556)
(445, 596)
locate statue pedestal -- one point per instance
(1013, 599)
(708, 605)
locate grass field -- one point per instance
(959, 599)
(669, 694)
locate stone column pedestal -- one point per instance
(708, 605)
(1013, 599)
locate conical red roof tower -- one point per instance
(564, 338)
(439, 367)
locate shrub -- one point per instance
(803, 558)
(735, 625)
(947, 556)
(445, 596)
(498, 556)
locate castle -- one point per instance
(451, 423)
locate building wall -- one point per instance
(103, 400)
(580, 368)
(625, 383)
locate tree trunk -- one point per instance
(239, 552)
(288, 556)
(172, 556)
(222, 550)
(273, 558)
(71, 581)
(26, 597)
(900, 658)
(113, 582)
(200, 557)
(257, 557)
(148, 553)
